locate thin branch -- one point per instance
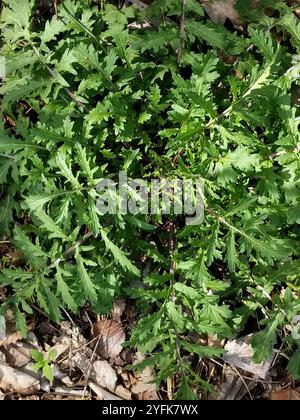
(181, 31)
(226, 223)
(78, 243)
(283, 152)
(172, 246)
(55, 9)
(243, 380)
(7, 156)
(227, 112)
(173, 295)
(54, 74)
(90, 367)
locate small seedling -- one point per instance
(42, 363)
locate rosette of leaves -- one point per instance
(90, 93)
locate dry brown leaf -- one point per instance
(285, 394)
(104, 375)
(219, 11)
(148, 396)
(117, 310)
(240, 354)
(17, 354)
(63, 345)
(10, 338)
(66, 380)
(228, 59)
(2, 357)
(123, 393)
(9, 121)
(82, 361)
(131, 379)
(125, 377)
(15, 380)
(213, 341)
(11, 333)
(144, 389)
(108, 337)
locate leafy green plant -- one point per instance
(90, 94)
(43, 363)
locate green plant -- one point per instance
(43, 363)
(91, 95)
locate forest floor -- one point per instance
(86, 360)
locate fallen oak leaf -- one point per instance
(15, 380)
(108, 338)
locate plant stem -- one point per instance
(181, 31)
